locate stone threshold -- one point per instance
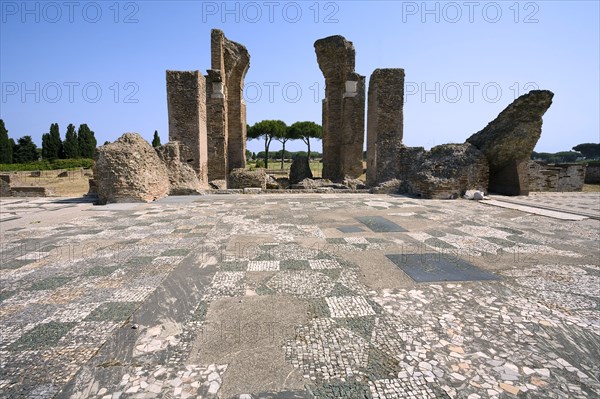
(560, 214)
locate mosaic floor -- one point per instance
(305, 296)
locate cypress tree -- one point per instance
(6, 147)
(156, 139)
(87, 141)
(71, 145)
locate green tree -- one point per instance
(156, 139)
(51, 143)
(283, 137)
(588, 150)
(267, 129)
(6, 147)
(87, 141)
(566, 156)
(306, 131)
(71, 144)
(25, 150)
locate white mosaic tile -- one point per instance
(263, 266)
(317, 264)
(356, 240)
(349, 306)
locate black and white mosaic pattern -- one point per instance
(110, 301)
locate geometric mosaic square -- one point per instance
(317, 264)
(380, 224)
(41, 336)
(349, 306)
(49, 283)
(356, 240)
(263, 266)
(402, 388)
(435, 267)
(176, 252)
(112, 311)
(350, 229)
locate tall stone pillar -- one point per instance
(216, 107)
(227, 124)
(186, 101)
(343, 109)
(384, 124)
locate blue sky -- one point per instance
(103, 63)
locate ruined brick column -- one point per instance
(384, 124)
(216, 125)
(186, 100)
(227, 118)
(343, 109)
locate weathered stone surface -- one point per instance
(445, 172)
(592, 173)
(392, 186)
(5, 186)
(227, 125)
(508, 141)
(186, 98)
(218, 184)
(31, 192)
(272, 183)
(92, 188)
(384, 124)
(183, 179)
(300, 170)
(283, 182)
(343, 109)
(252, 190)
(474, 195)
(355, 184)
(129, 170)
(216, 125)
(312, 184)
(556, 177)
(243, 178)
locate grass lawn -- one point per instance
(591, 188)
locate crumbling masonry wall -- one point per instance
(445, 172)
(343, 109)
(186, 99)
(508, 141)
(384, 124)
(557, 177)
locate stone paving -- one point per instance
(304, 296)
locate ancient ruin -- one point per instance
(242, 178)
(508, 141)
(186, 98)
(207, 130)
(385, 124)
(592, 173)
(445, 172)
(343, 109)
(129, 170)
(557, 177)
(183, 179)
(300, 170)
(227, 109)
